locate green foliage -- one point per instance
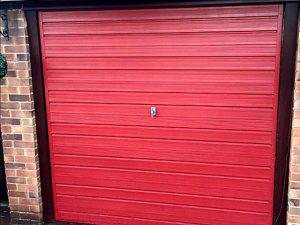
(3, 66)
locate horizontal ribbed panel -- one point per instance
(206, 158)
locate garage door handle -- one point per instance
(153, 111)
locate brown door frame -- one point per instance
(285, 101)
(285, 111)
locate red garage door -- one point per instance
(206, 157)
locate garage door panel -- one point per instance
(209, 51)
(187, 122)
(255, 137)
(158, 177)
(164, 110)
(160, 86)
(118, 143)
(93, 218)
(164, 26)
(163, 197)
(231, 193)
(109, 219)
(167, 39)
(207, 152)
(171, 13)
(139, 153)
(179, 99)
(164, 166)
(227, 193)
(176, 62)
(159, 211)
(205, 76)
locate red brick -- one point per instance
(10, 105)
(13, 200)
(24, 90)
(22, 129)
(23, 57)
(21, 208)
(15, 165)
(22, 114)
(31, 216)
(11, 187)
(3, 82)
(10, 172)
(15, 49)
(35, 208)
(10, 57)
(12, 136)
(26, 173)
(9, 89)
(33, 194)
(5, 128)
(27, 187)
(6, 121)
(24, 144)
(5, 113)
(18, 82)
(16, 180)
(11, 73)
(31, 166)
(27, 105)
(28, 122)
(13, 151)
(30, 152)
(19, 40)
(7, 143)
(9, 158)
(19, 98)
(28, 201)
(18, 194)
(21, 66)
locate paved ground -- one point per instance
(5, 219)
(4, 215)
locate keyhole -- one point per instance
(153, 111)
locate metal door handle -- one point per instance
(153, 111)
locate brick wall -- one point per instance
(18, 124)
(294, 177)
